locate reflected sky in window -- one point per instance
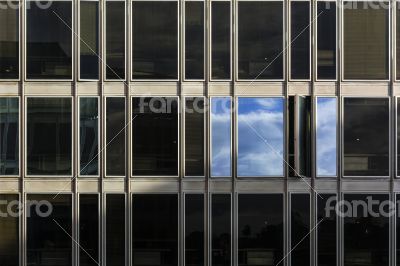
(260, 136)
(221, 136)
(326, 136)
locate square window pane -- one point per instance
(9, 40)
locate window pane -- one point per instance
(49, 227)
(366, 137)
(221, 234)
(221, 40)
(260, 40)
(300, 40)
(365, 40)
(326, 136)
(260, 136)
(115, 136)
(89, 230)
(49, 136)
(304, 139)
(326, 40)
(155, 229)
(397, 231)
(155, 136)
(115, 229)
(88, 135)
(9, 136)
(327, 229)
(155, 39)
(397, 41)
(49, 40)
(194, 230)
(9, 40)
(366, 238)
(9, 230)
(300, 229)
(194, 136)
(260, 229)
(221, 162)
(115, 39)
(89, 40)
(398, 137)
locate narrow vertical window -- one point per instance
(398, 137)
(89, 229)
(194, 230)
(9, 136)
(115, 230)
(221, 230)
(9, 40)
(300, 229)
(221, 148)
(115, 136)
(115, 40)
(89, 40)
(194, 136)
(194, 40)
(326, 229)
(397, 40)
(9, 230)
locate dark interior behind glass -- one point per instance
(9, 40)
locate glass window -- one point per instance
(326, 229)
(397, 231)
(260, 136)
(194, 136)
(9, 136)
(89, 135)
(9, 40)
(155, 39)
(260, 229)
(300, 40)
(398, 137)
(49, 230)
(221, 232)
(49, 40)
(194, 230)
(115, 136)
(220, 39)
(9, 230)
(366, 230)
(89, 230)
(89, 40)
(366, 137)
(221, 150)
(365, 40)
(115, 230)
(49, 136)
(194, 40)
(326, 40)
(115, 40)
(154, 229)
(397, 40)
(155, 136)
(260, 39)
(326, 139)
(300, 229)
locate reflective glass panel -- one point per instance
(115, 230)
(194, 230)
(327, 229)
(9, 230)
(398, 137)
(89, 230)
(397, 231)
(397, 41)
(326, 40)
(9, 136)
(300, 228)
(9, 40)
(221, 234)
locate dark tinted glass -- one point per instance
(365, 40)
(89, 135)
(115, 39)
(89, 230)
(115, 136)
(366, 137)
(326, 40)
(221, 40)
(260, 40)
(9, 40)
(397, 231)
(115, 229)
(9, 136)
(326, 229)
(194, 136)
(398, 137)
(9, 230)
(155, 230)
(49, 230)
(397, 41)
(194, 40)
(155, 39)
(366, 238)
(260, 229)
(300, 229)
(49, 40)
(194, 230)
(49, 136)
(89, 40)
(221, 232)
(155, 136)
